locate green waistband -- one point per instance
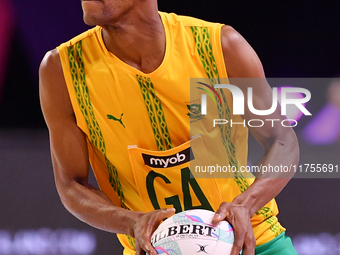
(267, 246)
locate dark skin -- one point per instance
(122, 21)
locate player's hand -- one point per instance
(238, 217)
(144, 228)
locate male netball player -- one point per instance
(118, 95)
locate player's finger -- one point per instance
(239, 242)
(157, 217)
(153, 223)
(249, 243)
(144, 241)
(240, 231)
(147, 247)
(165, 213)
(138, 248)
(248, 251)
(221, 213)
(143, 245)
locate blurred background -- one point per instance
(292, 38)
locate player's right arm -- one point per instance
(71, 164)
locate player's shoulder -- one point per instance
(89, 33)
(50, 71)
(229, 35)
(231, 39)
(240, 58)
(52, 87)
(50, 62)
(188, 21)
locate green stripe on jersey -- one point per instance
(206, 55)
(76, 61)
(156, 114)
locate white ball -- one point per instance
(192, 233)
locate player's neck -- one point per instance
(140, 42)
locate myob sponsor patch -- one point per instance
(168, 161)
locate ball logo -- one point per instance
(192, 233)
(185, 231)
(168, 161)
(202, 248)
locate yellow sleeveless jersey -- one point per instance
(145, 131)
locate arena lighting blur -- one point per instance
(292, 111)
(317, 244)
(324, 128)
(46, 241)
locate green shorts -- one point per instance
(280, 245)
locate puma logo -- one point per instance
(111, 117)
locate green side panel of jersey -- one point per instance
(156, 114)
(76, 61)
(266, 212)
(275, 227)
(205, 52)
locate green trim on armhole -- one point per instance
(204, 49)
(76, 61)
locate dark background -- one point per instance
(292, 38)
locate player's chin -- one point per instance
(90, 19)
(91, 13)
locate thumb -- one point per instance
(221, 213)
(164, 213)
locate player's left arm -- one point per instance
(280, 143)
